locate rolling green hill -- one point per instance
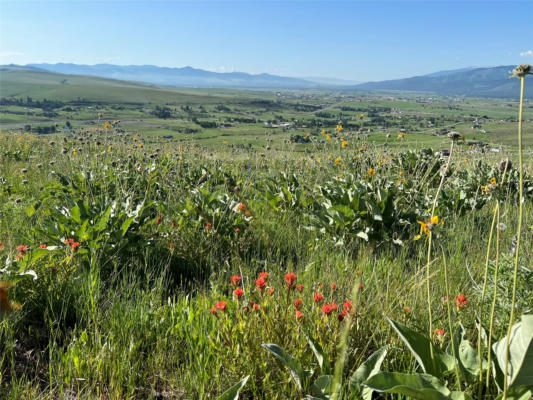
(17, 82)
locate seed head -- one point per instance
(521, 71)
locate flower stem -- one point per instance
(428, 287)
(518, 234)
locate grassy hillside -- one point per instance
(41, 85)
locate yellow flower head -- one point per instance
(339, 128)
(323, 131)
(371, 172)
(493, 181)
(107, 125)
(344, 144)
(361, 116)
(338, 160)
(328, 137)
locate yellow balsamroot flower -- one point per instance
(338, 160)
(371, 171)
(339, 128)
(328, 137)
(484, 189)
(423, 228)
(402, 136)
(344, 144)
(107, 125)
(323, 131)
(426, 227)
(493, 181)
(74, 152)
(361, 116)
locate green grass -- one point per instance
(134, 322)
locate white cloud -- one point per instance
(528, 53)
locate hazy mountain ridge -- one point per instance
(478, 82)
(186, 76)
(471, 81)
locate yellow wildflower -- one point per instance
(328, 137)
(339, 128)
(361, 116)
(344, 144)
(493, 181)
(338, 160)
(371, 171)
(323, 131)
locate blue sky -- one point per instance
(348, 39)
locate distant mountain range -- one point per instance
(471, 81)
(186, 76)
(475, 82)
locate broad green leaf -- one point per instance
(76, 214)
(456, 395)
(416, 386)
(296, 370)
(467, 358)
(520, 369)
(319, 354)
(322, 387)
(518, 393)
(126, 225)
(101, 225)
(420, 347)
(233, 392)
(366, 370)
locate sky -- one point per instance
(354, 40)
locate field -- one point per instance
(320, 245)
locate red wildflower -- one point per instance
(238, 293)
(248, 213)
(20, 255)
(333, 286)
(241, 207)
(460, 301)
(208, 226)
(347, 306)
(22, 249)
(260, 284)
(290, 278)
(42, 246)
(361, 286)
(298, 303)
(235, 280)
(334, 306)
(69, 242)
(256, 307)
(264, 275)
(407, 310)
(213, 310)
(2, 246)
(76, 246)
(171, 245)
(439, 332)
(221, 305)
(341, 316)
(326, 309)
(174, 224)
(317, 298)
(158, 220)
(237, 230)
(300, 287)
(271, 291)
(299, 316)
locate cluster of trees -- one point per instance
(40, 130)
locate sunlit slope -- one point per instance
(40, 85)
